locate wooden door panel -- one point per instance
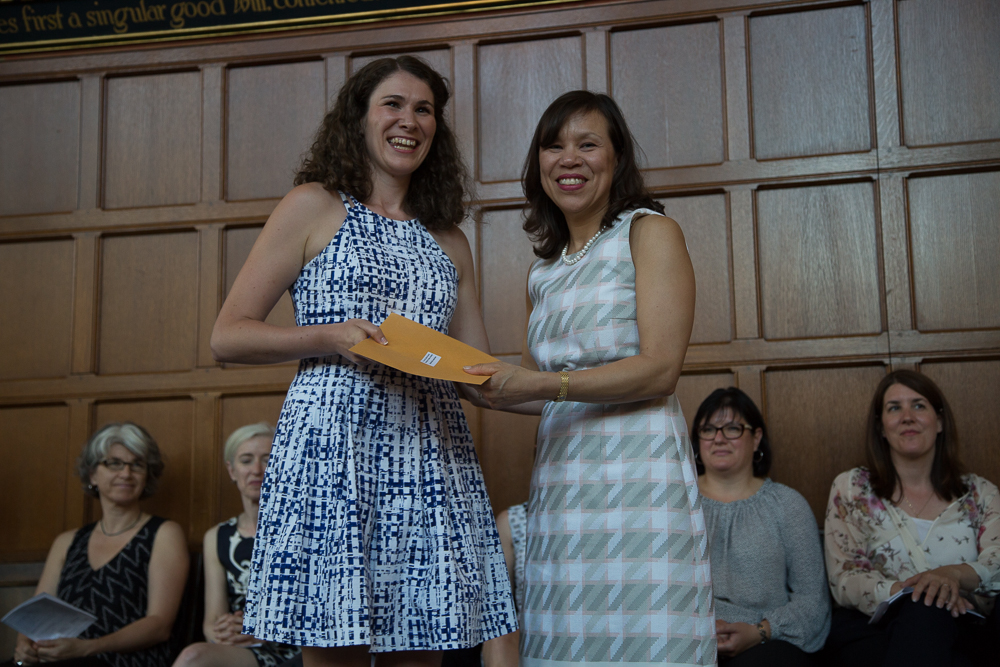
(675, 109)
(152, 140)
(816, 421)
(694, 388)
(809, 77)
(819, 271)
(34, 478)
(439, 59)
(36, 309)
(955, 240)
(272, 115)
(39, 152)
(149, 303)
(705, 222)
(171, 424)
(948, 64)
(238, 243)
(506, 258)
(517, 81)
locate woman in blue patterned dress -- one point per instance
(617, 566)
(375, 532)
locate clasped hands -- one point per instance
(941, 586)
(734, 638)
(228, 630)
(28, 652)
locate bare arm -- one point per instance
(665, 296)
(26, 651)
(301, 225)
(216, 595)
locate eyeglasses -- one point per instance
(730, 431)
(117, 465)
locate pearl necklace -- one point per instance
(577, 256)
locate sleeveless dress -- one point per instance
(617, 564)
(234, 552)
(374, 525)
(116, 593)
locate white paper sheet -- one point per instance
(47, 617)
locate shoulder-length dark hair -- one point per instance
(544, 222)
(743, 406)
(338, 159)
(946, 471)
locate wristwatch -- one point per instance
(763, 632)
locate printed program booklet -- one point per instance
(884, 606)
(47, 617)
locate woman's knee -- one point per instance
(195, 655)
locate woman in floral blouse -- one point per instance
(912, 519)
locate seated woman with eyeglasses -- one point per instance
(128, 568)
(771, 601)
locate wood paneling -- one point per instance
(39, 152)
(703, 218)
(149, 303)
(34, 479)
(816, 421)
(239, 241)
(439, 59)
(171, 423)
(674, 110)
(948, 64)
(272, 114)
(504, 261)
(818, 261)
(152, 140)
(517, 81)
(810, 82)
(971, 389)
(239, 411)
(693, 388)
(955, 239)
(36, 309)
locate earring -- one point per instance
(697, 456)
(756, 458)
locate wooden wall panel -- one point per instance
(955, 245)
(517, 81)
(171, 423)
(504, 261)
(39, 152)
(810, 82)
(971, 388)
(34, 478)
(36, 309)
(675, 110)
(693, 388)
(273, 111)
(439, 59)
(816, 421)
(152, 140)
(149, 303)
(704, 220)
(948, 64)
(819, 271)
(239, 241)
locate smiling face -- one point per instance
(721, 455)
(249, 463)
(909, 423)
(400, 125)
(577, 170)
(123, 487)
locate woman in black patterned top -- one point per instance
(228, 550)
(128, 569)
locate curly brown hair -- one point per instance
(544, 222)
(338, 159)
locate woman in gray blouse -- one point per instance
(772, 606)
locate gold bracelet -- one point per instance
(563, 386)
(763, 632)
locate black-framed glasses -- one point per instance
(730, 431)
(117, 465)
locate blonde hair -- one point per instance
(241, 435)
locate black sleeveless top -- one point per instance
(116, 593)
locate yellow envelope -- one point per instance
(419, 350)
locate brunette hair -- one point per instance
(946, 471)
(544, 222)
(338, 159)
(132, 437)
(742, 406)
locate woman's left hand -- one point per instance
(508, 384)
(941, 586)
(62, 649)
(734, 638)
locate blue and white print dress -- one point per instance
(375, 527)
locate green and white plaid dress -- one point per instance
(617, 566)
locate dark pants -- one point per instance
(913, 635)
(770, 654)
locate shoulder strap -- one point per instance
(912, 548)
(347, 200)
